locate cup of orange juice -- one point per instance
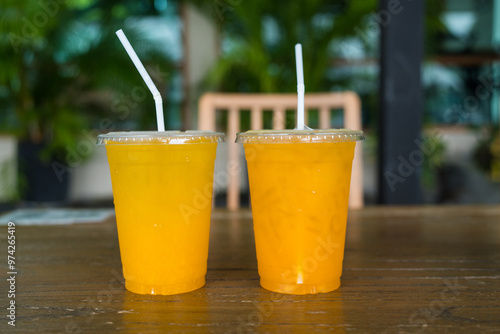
(299, 187)
(162, 188)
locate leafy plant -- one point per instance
(258, 38)
(62, 67)
(487, 154)
(12, 185)
(339, 38)
(433, 159)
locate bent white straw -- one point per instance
(147, 79)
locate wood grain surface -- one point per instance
(406, 270)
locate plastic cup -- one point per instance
(299, 187)
(162, 188)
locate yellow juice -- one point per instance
(299, 194)
(163, 198)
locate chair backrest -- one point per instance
(348, 101)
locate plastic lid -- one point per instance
(299, 136)
(162, 137)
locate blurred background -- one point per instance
(65, 78)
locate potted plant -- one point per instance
(62, 69)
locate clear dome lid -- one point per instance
(163, 137)
(299, 136)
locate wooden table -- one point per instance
(406, 270)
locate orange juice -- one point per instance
(162, 192)
(299, 190)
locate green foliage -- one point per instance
(434, 27)
(11, 191)
(62, 67)
(258, 55)
(433, 159)
(487, 153)
(339, 38)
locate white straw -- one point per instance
(300, 87)
(146, 77)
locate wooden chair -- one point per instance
(348, 101)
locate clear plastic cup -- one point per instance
(299, 187)
(162, 188)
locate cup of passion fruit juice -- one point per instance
(299, 188)
(163, 232)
